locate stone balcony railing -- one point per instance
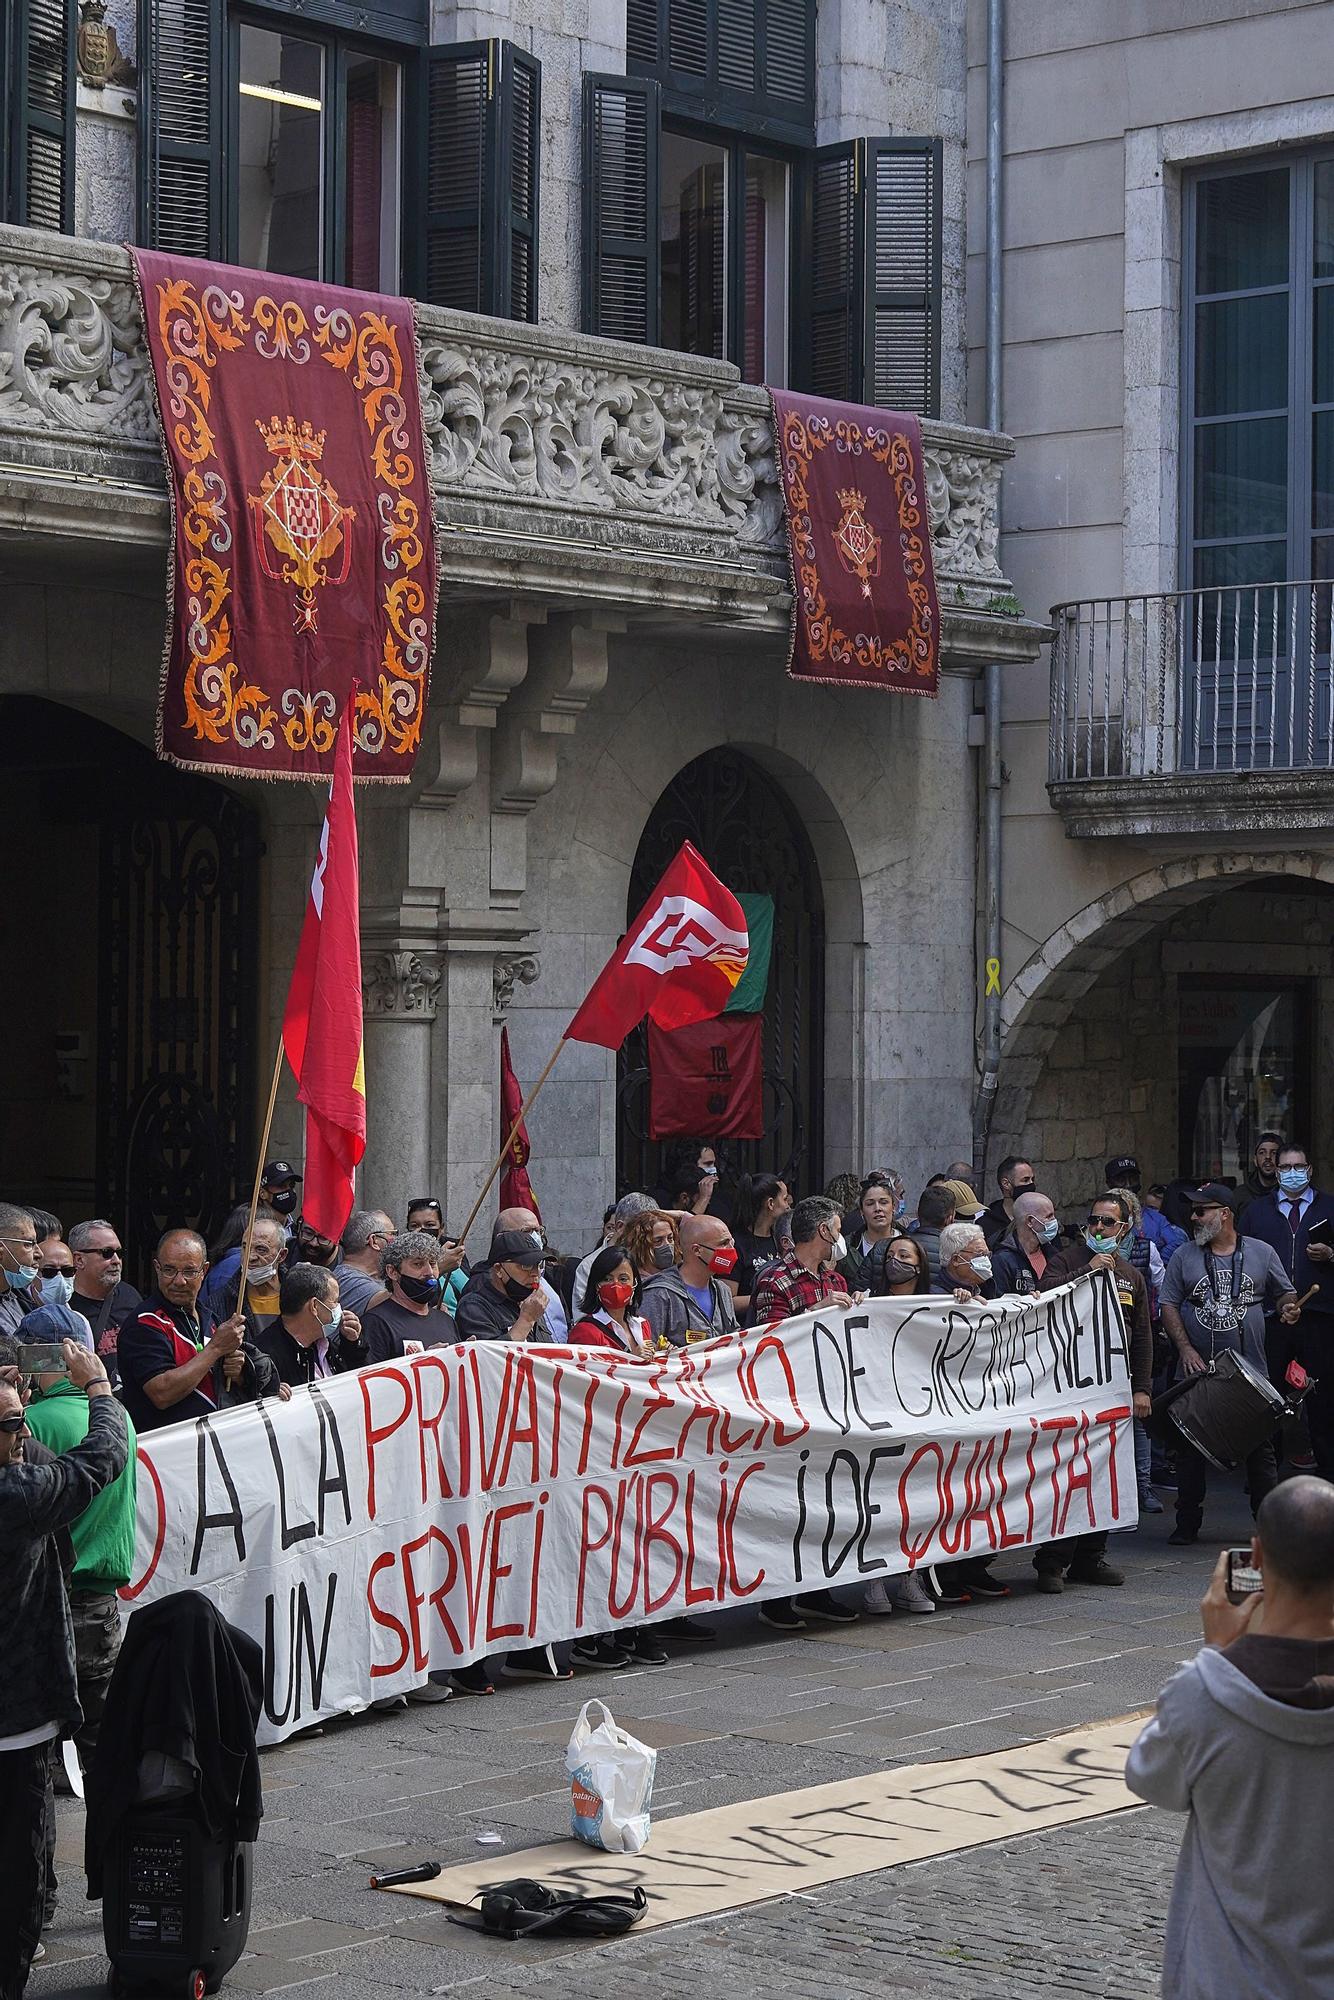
(563, 466)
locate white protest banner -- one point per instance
(471, 1499)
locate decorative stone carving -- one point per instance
(963, 495)
(72, 357)
(400, 985)
(99, 52)
(509, 972)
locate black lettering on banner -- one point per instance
(204, 1521)
(866, 1510)
(860, 1322)
(903, 1390)
(330, 1436)
(305, 1668)
(801, 1514)
(303, 1530)
(823, 1336)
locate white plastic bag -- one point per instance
(611, 1783)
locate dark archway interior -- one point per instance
(748, 831)
(128, 996)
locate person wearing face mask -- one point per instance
(1214, 1297)
(904, 1272)
(608, 1317)
(224, 1256)
(651, 1243)
(693, 1301)
(613, 1233)
(554, 1312)
(278, 1188)
(1014, 1177)
(1019, 1260)
(1296, 1220)
(411, 1316)
(259, 1301)
(505, 1298)
(1164, 1234)
(1262, 1178)
(314, 1334)
(807, 1274)
(18, 1265)
(965, 1262)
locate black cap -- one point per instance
(1213, 1193)
(516, 1246)
(279, 1170)
(1125, 1167)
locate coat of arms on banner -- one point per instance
(856, 540)
(301, 523)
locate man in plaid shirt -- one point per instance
(807, 1276)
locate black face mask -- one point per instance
(283, 1199)
(422, 1291)
(516, 1291)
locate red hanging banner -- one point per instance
(303, 546)
(707, 1079)
(864, 610)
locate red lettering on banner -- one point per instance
(387, 1559)
(656, 1531)
(703, 1408)
(417, 1599)
(916, 1550)
(425, 1366)
(489, 1449)
(557, 1374)
(695, 1593)
(1056, 1425)
(525, 1397)
(976, 1508)
(1032, 1475)
(1112, 1418)
(950, 1536)
(539, 1528)
(589, 1548)
(129, 1591)
(500, 1570)
(653, 1403)
(772, 1344)
(1008, 1540)
(378, 1434)
(621, 1401)
(1077, 1481)
(474, 1571)
(738, 1588)
(620, 1606)
(586, 1438)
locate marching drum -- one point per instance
(1227, 1412)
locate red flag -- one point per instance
(516, 1190)
(322, 1022)
(707, 1079)
(677, 963)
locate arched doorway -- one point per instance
(746, 828)
(129, 1012)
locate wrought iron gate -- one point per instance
(177, 990)
(750, 835)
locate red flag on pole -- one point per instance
(516, 1190)
(322, 1030)
(678, 962)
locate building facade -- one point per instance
(620, 217)
(1168, 321)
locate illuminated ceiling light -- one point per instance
(272, 95)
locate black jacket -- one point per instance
(191, 1686)
(295, 1364)
(37, 1679)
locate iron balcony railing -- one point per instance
(1235, 678)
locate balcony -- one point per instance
(1201, 712)
(564, 468)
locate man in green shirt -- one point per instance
(103, 1535)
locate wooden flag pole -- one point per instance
(461, 1235)
(259, 1174)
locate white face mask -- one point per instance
(264, 1276)
(982, 1266)
(57, 1290)
(838, 1249)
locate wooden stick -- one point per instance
(461, 1235)
(1307, 1295)
(259, 1173)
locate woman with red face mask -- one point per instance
(610, 1296)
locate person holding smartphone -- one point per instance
(1297, 1221)
(1243, 1743)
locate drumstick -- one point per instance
(1307, 1295)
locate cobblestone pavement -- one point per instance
(1075, 1910)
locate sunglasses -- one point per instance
(11, 1426)
(113, 1251)
(1212, 1209)
(55, 1271)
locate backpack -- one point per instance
(525, 1909)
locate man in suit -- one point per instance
(1289, 1221)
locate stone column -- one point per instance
(401, 987)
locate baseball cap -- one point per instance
(52, 1324)
(1123, 1167)
(279, 1170)
(516, 1246)
(1213, 1193)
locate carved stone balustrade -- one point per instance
(565, 468)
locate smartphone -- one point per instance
(41, 1357)
(1243, 1579)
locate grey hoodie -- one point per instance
(671, 1309)
(1251, 1916)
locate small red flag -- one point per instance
(678, 962)
(516, 1190)
(707, 1079)
(322, 1030)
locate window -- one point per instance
(283, 133)
(723, 231)
(37, 107)
(1244, 1063)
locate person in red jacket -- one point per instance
(609, 1318)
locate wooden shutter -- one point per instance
(620, 145)
(483, 149)
(875, 260)
(39, 112)
(903, 274)
(181, 126)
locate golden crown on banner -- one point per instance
(286, 438)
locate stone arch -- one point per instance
(1043, 995)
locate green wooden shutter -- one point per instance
(39, 113)
(902, 193)
(620, 254)
(483, 151)
(181, 126)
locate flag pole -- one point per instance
(259, 1173)
(527, 1105)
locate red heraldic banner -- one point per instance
(516, 1190)
(322, 1031)
(303, 551)
(678, 962)
(864, 608)
(707, 1079)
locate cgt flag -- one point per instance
(322, 1030)
(678, 963)
(516, 1190)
